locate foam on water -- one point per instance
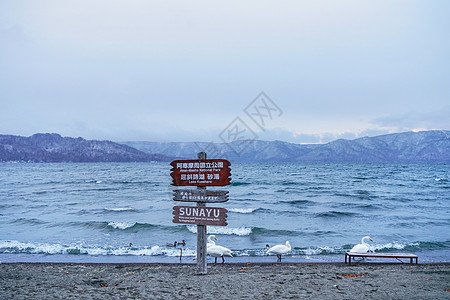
(393, 246)
(121, 225)
(119, 209)
(11, 247)
(240, 231)
(19, 247)
(15, 247)
(242, 210)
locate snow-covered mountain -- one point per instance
(424, 146)
(51, 147)
(407, 147)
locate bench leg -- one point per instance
(345, 257)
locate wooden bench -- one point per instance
(397, 256)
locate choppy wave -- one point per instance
(121, 225)
(410, 246)
(29, 221)
(105, 210)
(138, 182)
(245, 231)
(119, 209)
(357, 206)
(114, 225)
(319, 250)
(309, 205)
(242, 210)
(393, 246)
(238, 183)
(273, 232)
(124, 226)
(300, 202)
(136, 227)
(441, 180)
(16, 247)
(240, 231)
(290, 183)
(335, 214)
(326, 250)
(360, 195)
(40, 192)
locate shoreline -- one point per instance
(372, 263)
(434, 256)
(225, 281)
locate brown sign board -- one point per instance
(206, 196)
(200, 215)
(207, 172)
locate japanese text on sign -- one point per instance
(201, 173)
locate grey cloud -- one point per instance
(316, 138)
(417, 120)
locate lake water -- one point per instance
(89, 212)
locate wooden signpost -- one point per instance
(200, 173)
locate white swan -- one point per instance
(210, 241)
(280, 249)
(363, 247)
(209, 244)
(215, 250)
(218, 251)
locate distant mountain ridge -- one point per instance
(406, 147)
(51, 147)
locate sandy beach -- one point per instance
(224, 281)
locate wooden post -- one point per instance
(200, 173)
(202, 268)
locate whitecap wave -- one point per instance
(118, 208)
(242, 210)
(320, 250)
(121, 225)
(240, 231)
(393, 245)
(340, 250)
(19, 247)
(13, 247)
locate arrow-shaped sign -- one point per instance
(207, 172)
(200, 215)
(206, 196)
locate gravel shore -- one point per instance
(224, 281)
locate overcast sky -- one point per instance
(185, 70)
